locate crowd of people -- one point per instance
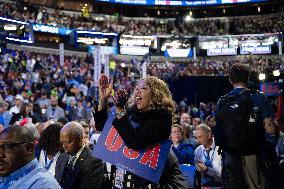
(56, 17)
(62, 145)
(37, 76)
(206, 66)
(51, 115)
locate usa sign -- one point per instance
(270, 89)
(147, 163)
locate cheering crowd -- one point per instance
(52, 115)
(64, 120)
(56, 17)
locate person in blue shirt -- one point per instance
(207, 159)
(2, 110)
(18, 167)
(5, 116)
(184, 152)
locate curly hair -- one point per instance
(50, 139)
(161, 97)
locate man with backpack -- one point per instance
(240, 133)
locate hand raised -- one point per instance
(121, 99)
(105, 87)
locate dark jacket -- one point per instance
(18, 116)
(85, 116)
(88, 171)
(154, 126)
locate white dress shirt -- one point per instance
(215, 158)
(50, 164)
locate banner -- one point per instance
(61, 54)
(270, 89)
(179, 52)
(97, 65)
(148, 163)
(51, 29)
(134, 50)
(221, 51)
(106, 63)
(265, 49)
(181, 2)
(137, 45)
(144, 69)
(104, 49)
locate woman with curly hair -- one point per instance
(48, 149)
(145, 120)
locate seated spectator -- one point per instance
(183, 102)
(210, 121)
(189, 136)
(77, 168)
(18, 103)
(62, 121)
(195, 122)
(25, 112)
(184, 152)
(54, 111)
(81, 113)
(70, 110)
(185, 119)
(86, 136)
(37, 113)
(48, 149)
(207, 159)
(94, 133)
(5, 116)
(18, 168)
(43, 101)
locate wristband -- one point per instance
(121, 114)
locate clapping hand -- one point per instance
(201, 167)
(105, 88)
(121, 99)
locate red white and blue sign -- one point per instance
(270, 89)
(148, 163)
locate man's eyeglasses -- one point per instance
(8, 147)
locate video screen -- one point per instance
(181, 2)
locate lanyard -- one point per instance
(208, 156)
(47, 165)
(10, 181)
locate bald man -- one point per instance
(77, 168)
(18, 166)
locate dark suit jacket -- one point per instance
(88, 171)
(85, 116)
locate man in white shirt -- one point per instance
(207, 159)
(18, 104)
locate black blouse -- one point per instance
(154, 126)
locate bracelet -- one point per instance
(121, 113)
